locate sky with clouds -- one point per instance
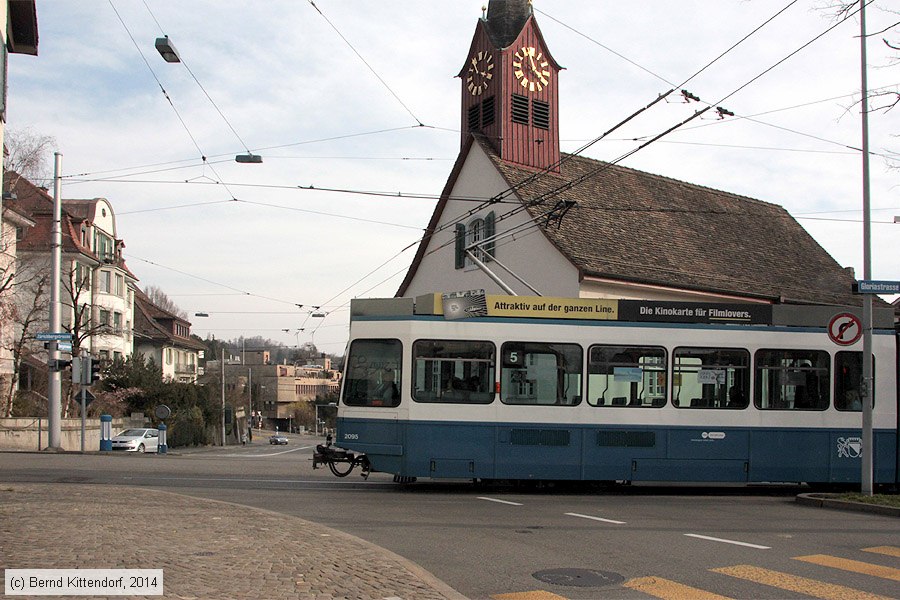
(359, 96)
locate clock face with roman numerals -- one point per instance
(480, 73)
(531, 69)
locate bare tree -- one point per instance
(159, 298)
(27, 154)
(27, 310)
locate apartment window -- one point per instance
(105, 282)
(104, 316)
(117, 322)
(120, 285)
(103, 246)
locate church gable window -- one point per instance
(478, 230)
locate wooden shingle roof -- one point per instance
(633, 226)
(630, 226)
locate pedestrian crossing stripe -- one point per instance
(670, 590)
(536, 595)
(887, 550)
(854, 566)
(794, 583)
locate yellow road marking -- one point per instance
(852, 565)
(888, 550)
(537, 595)
(801, 585)
(670, 590)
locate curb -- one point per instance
(828, 501)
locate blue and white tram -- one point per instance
(593, 389)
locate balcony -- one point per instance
(185, 368)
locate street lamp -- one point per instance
(167, 50)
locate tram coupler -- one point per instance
(330, 456)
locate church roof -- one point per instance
(636, 227)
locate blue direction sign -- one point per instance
(869, 286)
(50, 336)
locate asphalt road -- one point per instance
(736, 542)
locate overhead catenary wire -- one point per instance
(365, 62)
(165, 93)
(200, 85)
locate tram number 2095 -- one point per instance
(351, 436)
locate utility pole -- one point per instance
(54, 394)
(868, 438)
(223, 396)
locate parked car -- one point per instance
(136, 440)
(278, 439)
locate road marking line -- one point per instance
(536, 595)
(724, 541)
(596, 518)
(887, 550)
(854, 566)
(263, 455)
(670, 590)
(499, 501)
(793, 583)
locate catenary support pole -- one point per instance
(54, 394)
(223, 396)
(867, 386)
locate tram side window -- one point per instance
(847, 381)
(627, 376)
(711, 378)
(792, 379)
(372, 376)
(453, 371)
(540, 373)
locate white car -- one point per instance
(136, 440)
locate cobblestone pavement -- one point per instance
(207, 549)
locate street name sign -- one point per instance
(51, 336)
(869, 286)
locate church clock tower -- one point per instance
(510, 90)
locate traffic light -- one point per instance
(58, 365)
(92, 370)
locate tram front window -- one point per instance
(539, 373)
(373, 373)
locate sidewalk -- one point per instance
(207, 549)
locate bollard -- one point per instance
(162, 448)
(105, 433)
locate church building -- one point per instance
(517, 216)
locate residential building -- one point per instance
(13, 224)
(165, 338)
(18, 35)
(576, 227)
(96, 288)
